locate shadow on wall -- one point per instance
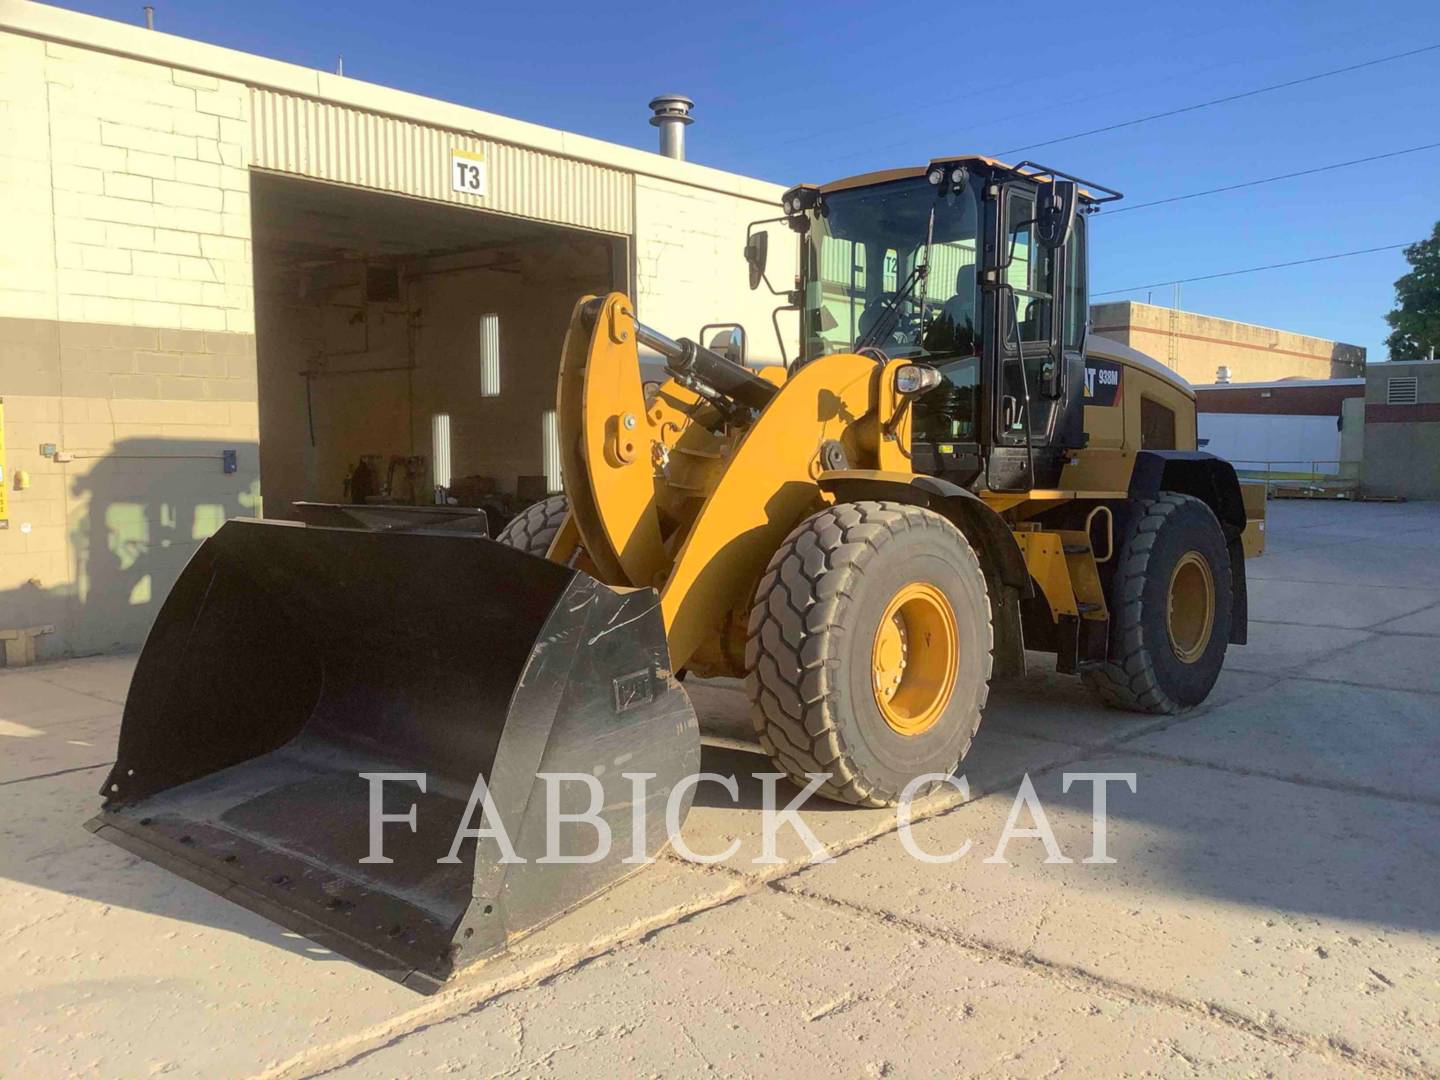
(134, 516)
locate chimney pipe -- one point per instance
(672, 116)
(149, 16)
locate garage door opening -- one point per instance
(406, 345)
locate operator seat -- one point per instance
(956, 328)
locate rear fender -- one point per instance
(1000, 555)
(1212, 480)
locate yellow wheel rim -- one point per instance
(914, 658)
(1190, 607)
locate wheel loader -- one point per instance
(948, 471)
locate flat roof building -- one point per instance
(1402, 429)
(224, 275)
(1291, 430)
(1200, 346)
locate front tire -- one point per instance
(869, 650)
(534, 528)
(1170, 606)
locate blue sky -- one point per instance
(812, 93)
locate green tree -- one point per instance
(1415, 322)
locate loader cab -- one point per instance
(963, 265)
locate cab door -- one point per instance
(1026, 348)
(1071, 385)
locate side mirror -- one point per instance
(1055, 212)
(757, 247)
(731, 341)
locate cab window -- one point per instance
(1157, 425)
(1031, 272)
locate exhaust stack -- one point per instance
(672, 116)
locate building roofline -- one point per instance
(1402, 363)
(1279, 384)
(108, 36)
(1221, 318)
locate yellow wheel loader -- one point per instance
(947, 473)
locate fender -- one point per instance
(1212, 480)
(999, 554)
(766, 489)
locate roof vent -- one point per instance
(672, 116)
(1222, 374)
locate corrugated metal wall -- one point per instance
(946, 261)
(326, 141)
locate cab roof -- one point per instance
(1027, 169)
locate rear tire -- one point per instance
(533, 530)
(1170, 606)
(861, 594)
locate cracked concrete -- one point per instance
(1272, 909)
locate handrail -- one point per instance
(1313, 474)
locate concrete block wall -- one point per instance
(126, 333)
(127, 311)
(690, 265)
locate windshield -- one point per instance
(864, 245)
(862, 248)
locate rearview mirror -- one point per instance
(757, 247)
(731, 341)
(1055, 212)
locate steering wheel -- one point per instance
(906, 322)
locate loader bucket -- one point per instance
(292, 663)
(384, 516)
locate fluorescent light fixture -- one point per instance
(490, 355)
(440, 450)
(550, 451)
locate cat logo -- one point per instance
(1102, 382)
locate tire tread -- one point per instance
(1128, 680)
(795, 620)
(534, 528)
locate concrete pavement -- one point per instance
(1273, 908)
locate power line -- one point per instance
(871, 149)
(969, 96)
(1251, 270)
(1272, 179)
(1218, 101)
